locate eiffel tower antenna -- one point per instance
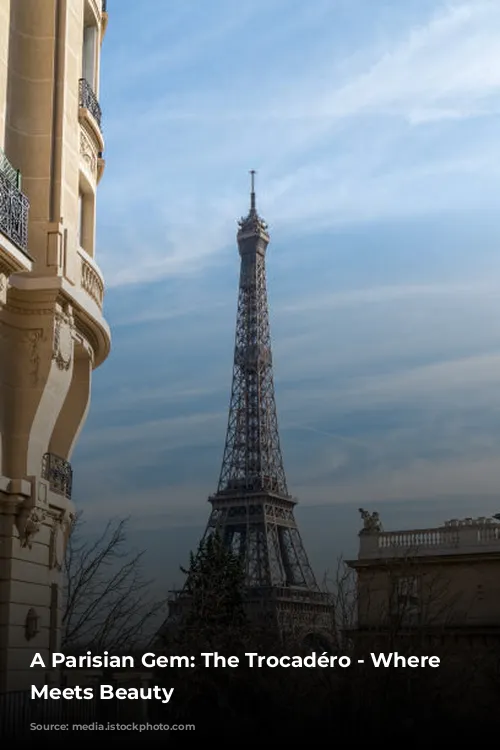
(252, 509)
(252, 191)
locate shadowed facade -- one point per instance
(52, 330)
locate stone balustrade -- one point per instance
(91, 280)
(466, 536)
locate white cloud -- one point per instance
(165, 433)
(384, 294)
(179, 505)
(168, 309)
(443, 66)
(449, 59)
(369, 329)
(437, 389)
(450, 381)
(471, 381)
(446, 69)
(419, 480)
(474, 479)
(171, 394)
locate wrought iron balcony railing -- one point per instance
(58, 474)
(6, 168)
(88, 100)
(14, 209)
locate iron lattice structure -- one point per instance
(252, 509)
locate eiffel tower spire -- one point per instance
(252, 455)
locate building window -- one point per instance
(85, 222)
(80, 219)
(405, 600)
(89, 55)
(54, 617)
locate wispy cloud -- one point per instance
(443, 384)
(384, 294)
(422, 480)
(175, 432)
(436, 402)
(447, 66)
(323, 159)
(449, 381)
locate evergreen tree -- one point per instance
(215, 585)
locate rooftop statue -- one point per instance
(371, 521)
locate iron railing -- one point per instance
(18, 710)
(14, 713)
(14, 209)
(6, 168)
(88, 100)
(58, 474)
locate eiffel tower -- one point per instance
(252, 509)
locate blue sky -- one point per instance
(374, 130)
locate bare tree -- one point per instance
(107, 600)
(342, 587)
(405, 605)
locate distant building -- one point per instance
(443, 581)
(52, 330)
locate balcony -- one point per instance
(14, 207)
(6, 168)
(88, 100)
(58, 474)
(91, 279)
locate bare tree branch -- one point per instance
(108, 604)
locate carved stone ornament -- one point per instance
(371, 521)
(31, 626)
(29, 526)
(88, 153)
(3, 287)
(59, 539)
(26, 346)
(63, 340)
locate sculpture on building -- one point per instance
(63, 338)
(31, 626)
(29, 526)
(371, 521)
(59, 539)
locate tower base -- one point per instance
(291, 615)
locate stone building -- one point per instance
(443, 581)
(52, 330)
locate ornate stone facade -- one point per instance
(88, 152)
(29, 524)
(63, 339)
(52, 329)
